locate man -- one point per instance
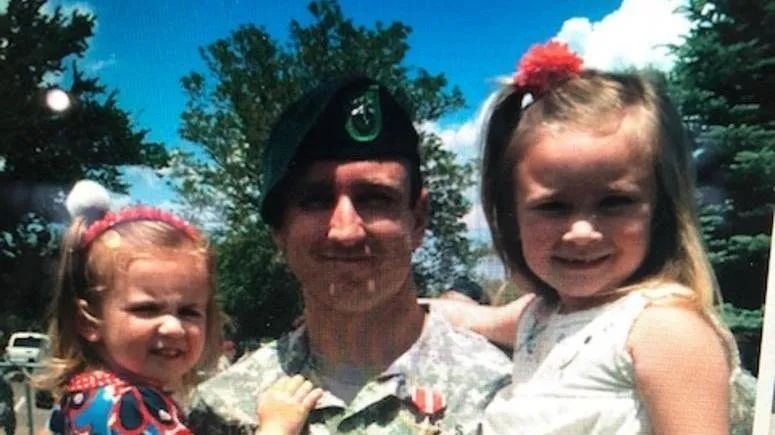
(344, 199)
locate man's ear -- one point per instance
(87, 324)
(420, 213)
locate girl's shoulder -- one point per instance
(674, 339)
(668, 294)
(672, 316)
(672, 322)
(680, 352)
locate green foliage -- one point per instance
(434, 267)
(741, 319)
(42, 152)
(240, 255)
(723, 81)
(254, 77)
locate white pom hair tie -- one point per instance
(88, 199)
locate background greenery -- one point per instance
(722, 81)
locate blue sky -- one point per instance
(142, 48)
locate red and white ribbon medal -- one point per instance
(430, 403)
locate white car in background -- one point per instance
(27, 347)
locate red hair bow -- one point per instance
(546, 65)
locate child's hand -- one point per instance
(284, 407)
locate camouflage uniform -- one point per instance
(7, 414)
(463, 366)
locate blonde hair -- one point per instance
(86, 274)
(593, 101)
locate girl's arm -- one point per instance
(498, 324)
(681, 371)
(284, 407)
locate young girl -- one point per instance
(588, 193)
(135, 320)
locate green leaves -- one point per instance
(742, 320)
(42, 152)
(723, 81)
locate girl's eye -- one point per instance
(191, 313)
(144, 309)
(554, 207)
(616, 202)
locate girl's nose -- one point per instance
(582, 231)
(171, 326)
(346, 225)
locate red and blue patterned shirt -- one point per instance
(101, 403)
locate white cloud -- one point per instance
(172, 207)
(461, 139)
(97, 65)
(147, 186)
(143, 175)
(636, 34)
(475, 220)
(119, 201)
(458, 138)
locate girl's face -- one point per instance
(154, 319)
(584, 208)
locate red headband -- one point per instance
(138, 213)
(544, 66)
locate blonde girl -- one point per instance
(134, 321)
(587, 189)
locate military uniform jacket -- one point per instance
(458, 366)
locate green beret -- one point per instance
(349, 119)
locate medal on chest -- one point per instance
(430, 404)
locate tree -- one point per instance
(255, 78)
(42, 152)
(723, 80)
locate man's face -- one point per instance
(349, 230)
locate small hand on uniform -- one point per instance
(284, 407)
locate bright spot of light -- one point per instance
(57, 100)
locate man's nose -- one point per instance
(583, 230)
(346, 225)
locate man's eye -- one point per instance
(315, 201)
(374, 199)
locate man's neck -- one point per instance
(372, 339)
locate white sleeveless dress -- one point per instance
(573, 373)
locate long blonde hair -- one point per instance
(585, 102)
(86, 274)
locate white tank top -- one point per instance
(573, 373)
